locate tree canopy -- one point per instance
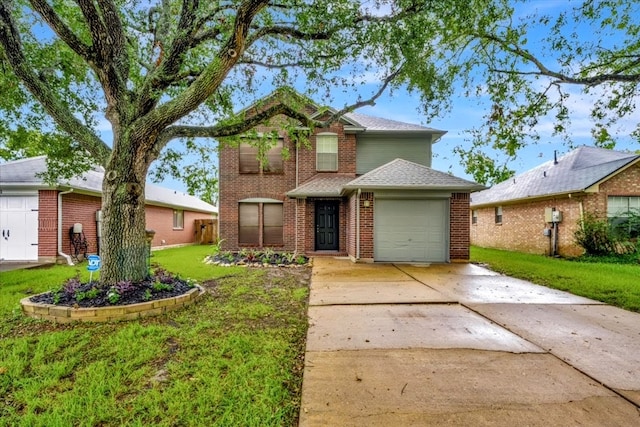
(154, 71)
(531, 67)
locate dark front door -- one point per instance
(327, 226)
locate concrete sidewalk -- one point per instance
(456, 344)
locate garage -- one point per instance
(411, 230)
(19, 227)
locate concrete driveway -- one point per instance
(457, 344)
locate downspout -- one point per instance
(297, 162)
(297, 201)
(358, 224)
(68, 258)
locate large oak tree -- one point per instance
(164, 70)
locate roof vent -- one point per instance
(555, 157)
(544, 174)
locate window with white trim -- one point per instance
(327, 152)
(178, 219)
(474, 216)
(623, 213)
(498, 214)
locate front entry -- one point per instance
(327, 226)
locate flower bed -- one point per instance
(74, 300)
(254, 258)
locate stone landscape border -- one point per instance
(63, 314)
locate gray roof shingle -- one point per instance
(24, 173)
(321, 185)
(574, 172)
(405, 175)
(378, 124)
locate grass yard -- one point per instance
(615, 284)
(235, 358)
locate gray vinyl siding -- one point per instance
(376, 150)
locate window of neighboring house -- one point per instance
(260, 224)
(498, 214)
(623, 213)
(474, 216)
(178, 219)
(250, 157)
(327, 152)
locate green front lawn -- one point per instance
(615, 284)
(234, 358)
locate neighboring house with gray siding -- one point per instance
(517, 214)
(363, 187)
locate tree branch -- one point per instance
(544, 71)
(12, 44)
(212, 76)
(279, 30)
(244, 123)
(371, 101)
(167, 66)
(248, 61)
(64, 32)
(112, 61)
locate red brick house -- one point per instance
(37, 219)
(362, 188)
(517, 214)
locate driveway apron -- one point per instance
(457, 344)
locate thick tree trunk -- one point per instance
(123, 248)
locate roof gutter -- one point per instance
(541, 197)
(67, 257)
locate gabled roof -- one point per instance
(322, 185)
(574, 172)
(398, 174)
(23, 174)
(354, 122)
(401, 174)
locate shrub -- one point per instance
(595, 235)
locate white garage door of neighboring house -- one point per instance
(411, 230)
(19, 228)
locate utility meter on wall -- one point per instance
(552, 215)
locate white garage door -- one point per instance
(19, 228)
(411, 230)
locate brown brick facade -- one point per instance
(47, 224)
(459, 227)
(236, 186)
(523, 224)
(81, 208)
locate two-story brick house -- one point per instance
(362, 187)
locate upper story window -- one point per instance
(327, 152)
(253, 161)
(624, 214)
(498, 212)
